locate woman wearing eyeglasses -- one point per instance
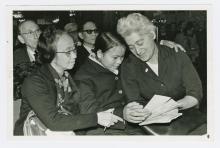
(52, 94)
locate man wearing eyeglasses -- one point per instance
(24, 62)
(29, 33)
(88, 34)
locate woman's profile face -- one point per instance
(66, 53)
(112, 58)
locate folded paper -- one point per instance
(164, 109)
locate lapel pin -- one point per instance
(146, 70)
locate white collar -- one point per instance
(89, 49)
(31, 53)
(92, 57)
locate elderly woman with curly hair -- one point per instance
(154, 69)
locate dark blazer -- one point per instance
(100, 89)
(177, 77)
(40, 92)
(20, 55)
(82, 56)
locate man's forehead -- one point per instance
(89, 25)
(29, 25)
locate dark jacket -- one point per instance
(82, 56)
(177, 77)
(22, 67)
(100, 89)
(39, 91)
(20, 55)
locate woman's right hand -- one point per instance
(107, 118)
(135, 113)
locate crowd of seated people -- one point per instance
(77, 80)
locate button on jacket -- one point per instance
(100, 89)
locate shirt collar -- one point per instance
(31, 53)
(89, 49)
(92, 57)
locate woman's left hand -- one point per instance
(174, 45)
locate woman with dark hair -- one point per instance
(52, 95)
(100, 85)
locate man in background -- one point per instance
(24, 62)
(72, 29)
(88, 33)
(28, 35)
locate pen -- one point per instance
(106, 126)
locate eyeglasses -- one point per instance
(68, 53)
(96, 31)
(32, 33)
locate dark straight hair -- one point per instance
(107, 40)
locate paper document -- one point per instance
(163, 109)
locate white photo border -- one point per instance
(210, 102)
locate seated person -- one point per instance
(154, 69)
(87, 33)
(51, 93)
(100, 85)
(72, 29)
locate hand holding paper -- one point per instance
(134, 112)
(163, 109)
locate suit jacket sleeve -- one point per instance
(88, 103)
(38, 94)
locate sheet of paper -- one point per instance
(163, 109)
(156, 100)
(163, 118)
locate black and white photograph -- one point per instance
(113, 74)
(109, 72)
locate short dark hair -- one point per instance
(107, 40)
(47, 43)
(81, 24)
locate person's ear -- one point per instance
(99, 54)
(80, 35)
(21, 39)
(153, 35)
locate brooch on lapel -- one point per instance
(146, 70)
